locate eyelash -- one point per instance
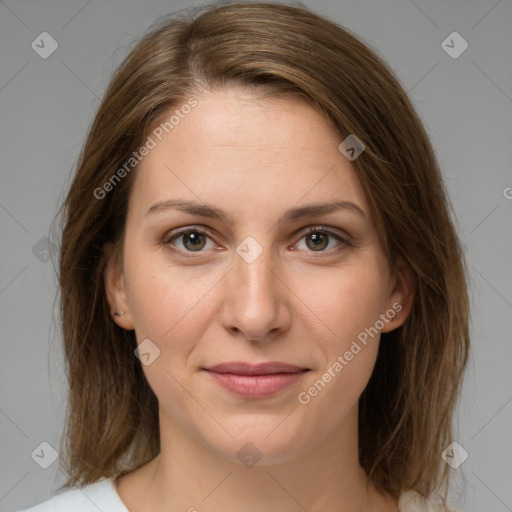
(312, 229)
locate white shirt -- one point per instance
(103, 496)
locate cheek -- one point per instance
(172, 308)
(345, 309)
(350, 307)
(345, 302)
(169, 306)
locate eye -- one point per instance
(318, 238)
(192, 240)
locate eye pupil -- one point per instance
(195, 239)
(320, 240)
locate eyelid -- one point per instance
(187, 229)
(343, 235)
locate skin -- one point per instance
(297, 303)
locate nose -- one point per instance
(256, 300)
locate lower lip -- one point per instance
(255, 386)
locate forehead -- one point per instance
(240, 150)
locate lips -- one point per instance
(251, 381)
(240, 368)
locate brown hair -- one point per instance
(406, 409)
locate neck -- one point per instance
(189, 476)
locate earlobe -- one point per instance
(402, 296)
(115, 288)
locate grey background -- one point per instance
(46, 106)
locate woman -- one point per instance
(263, 296)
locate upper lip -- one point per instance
(242, 368)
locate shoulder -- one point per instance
(101, 495)
(411, 501)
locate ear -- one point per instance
(401, 298)
(115, 288)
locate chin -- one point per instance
(258, 442)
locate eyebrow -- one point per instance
(293, 214)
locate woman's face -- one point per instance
(281, 265)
